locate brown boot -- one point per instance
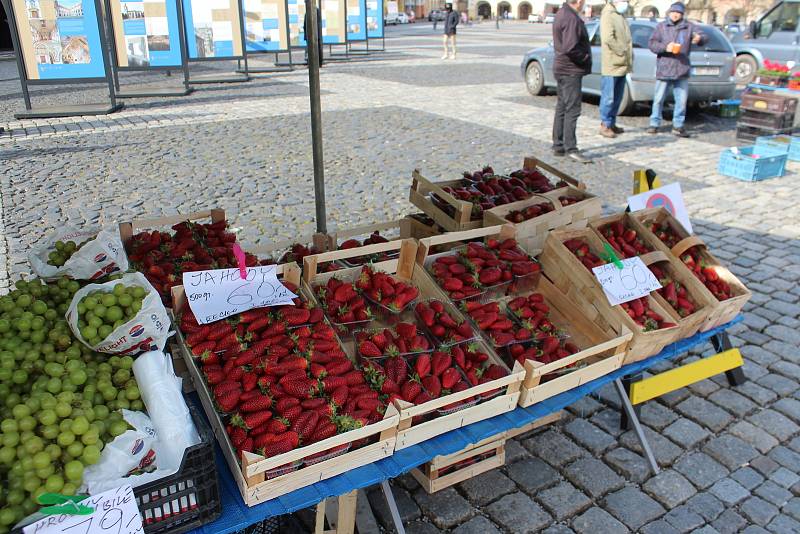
(605, 131)
(617, 130)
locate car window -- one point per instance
(590, 30)
(783, 17)
(640, 35)
(790, 14)
(715, 40)
(596, 36)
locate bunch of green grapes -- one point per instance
(63, 252)
(59, 400)
(100, 312)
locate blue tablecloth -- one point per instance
(236, 515)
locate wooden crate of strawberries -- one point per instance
(568, 257)
(287, 405)
(726, 294)
(458, 205)
(445, 471)
(532, 219)
(433, 380)
(680, 290)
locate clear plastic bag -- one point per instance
(101, 255)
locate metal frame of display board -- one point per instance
(349, 42)
(383, 31)
(133, 92)
(68, 110)
(231, 78)
(279, 67)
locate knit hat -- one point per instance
(678, 7)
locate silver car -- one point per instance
(712, 75)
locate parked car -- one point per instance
(535, 18)
(436, 14)
(549, 18)
(775, 36)
(712, 76)
(731, 29)
(391, 18)
(402, 18)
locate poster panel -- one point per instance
(356, 20)
(59, 39)
(374, 19)
(297, 12)
(265, 26)
(146, 33)
(334, 25)
(213, 29)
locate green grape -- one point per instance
(75, 449)
(74, 470)
(65, 438)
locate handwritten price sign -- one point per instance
(215, 295)
(115, 512)
(633, 281)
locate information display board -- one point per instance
(266, 28)
(375, 19)
(213, 29)
(146, 33)
(297, 12)
(60, 39)
(356, 20)
(334, 24)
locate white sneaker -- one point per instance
(453, 56)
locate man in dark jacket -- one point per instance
(450, 23)
(672, 42)
(573, 61)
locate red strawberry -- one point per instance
(301, 388)
(340, 395)
(450, 377)
(285, 403)
(229, 400)
(252, 420)
(305, 424)
(257, 404)
(368, 349)
(410, 390)
(284, 443)
(439, 362)
(277, 425)
(422, 366)
(324, 430)
(432, 385)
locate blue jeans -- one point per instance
(611, 91)
(680, 92)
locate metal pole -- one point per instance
(312, 38)
(626, 404)
(389, 496)
(108, 21)
(183, 43)
(108, 61)
(15, 40)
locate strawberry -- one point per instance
(340, 395)
(282, 405)
(277, 425)
(300, 388)
(325, 429)
(252, 420)
(257, 404)
(450, 377)
(284, 443)
(422, 366)
(339, 367)
(410, 390)
(330, 383)
(305, 424)
(228, 400)
(432, 385)
(439, 362)
(368, 349)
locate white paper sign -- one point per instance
(668, 197)
(220, 293)
(115, 512)
(633, 281)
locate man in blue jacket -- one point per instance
(672, 43)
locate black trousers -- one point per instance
(568, 109)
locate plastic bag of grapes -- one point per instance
(123, 316)
(79, 254)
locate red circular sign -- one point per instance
(659, 200)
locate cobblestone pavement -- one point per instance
(731, 455)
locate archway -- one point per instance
(523, 10)
(649, 11)
(484, 10)
(504, 9)
(733, 16)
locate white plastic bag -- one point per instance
(101, 256)
(148, 330)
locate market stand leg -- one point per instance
(389, 496)
(722, 343)
(637, 426)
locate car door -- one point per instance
(776, 36)
(642, 77)
(591, 83)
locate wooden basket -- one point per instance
(690, 324)
(414, 228)
(581, 287)
(127, 229)
(455, 239)
(534, 163)
(461, 219)
(721, 311)
(530, 234)
(580, 212)
(602, 354)
(249, 470)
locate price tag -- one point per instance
(633, 281)
(215, 295)
(115, 512)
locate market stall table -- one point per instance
(237, 516)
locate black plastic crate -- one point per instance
(189, 498)
(271, 525)
(766, 119)
(749, 133)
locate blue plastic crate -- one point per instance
(779, 144)
(744, 166)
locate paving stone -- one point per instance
(585, 407)
(633, 507)
(705, 413)
(659, 527)
(409, 511)
(704, 388)
(792, 508)
(597, 521)
(765, 465)
(737, 404)
(775, 423)
(477, 525)
(609, 421)
(758, 510)
(656, 415)
(759, 394)
(781, 333)
(558, 529)
(787, 369)
(487, 487)
(593, 476)
(786, 457)
(701, 469)
(786, 351)
(705, 504)
(684, 519)
(730, 451)
(779, 384)
(788, 407)
(532, 475)
(629, 464)
(673, 398)
(663, 449)
(729, 491)
(515, 452)
(747, 477)
(784, 525)
(589, 436)
(686, 433)
(669, 488)
(785, 478)
(445, 508)
(420, 527)
(729, 522)
(754, 529)
(554, 448)
(753, 435)
(758, 354)
(518, 513)
(773, 493)
(563, 500)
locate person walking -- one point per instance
(573, 61)
(672, 42)
(617, 61)
(450, 23)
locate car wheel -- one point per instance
(627, 105)
(746, 67)
(534, 79)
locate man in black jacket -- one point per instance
(450, 23)
(573, 61)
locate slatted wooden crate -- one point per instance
(721, 311)
(581, 286)
(128, 228)
(460, 219)
(251, 471)
(690, 324)
(530, 233)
